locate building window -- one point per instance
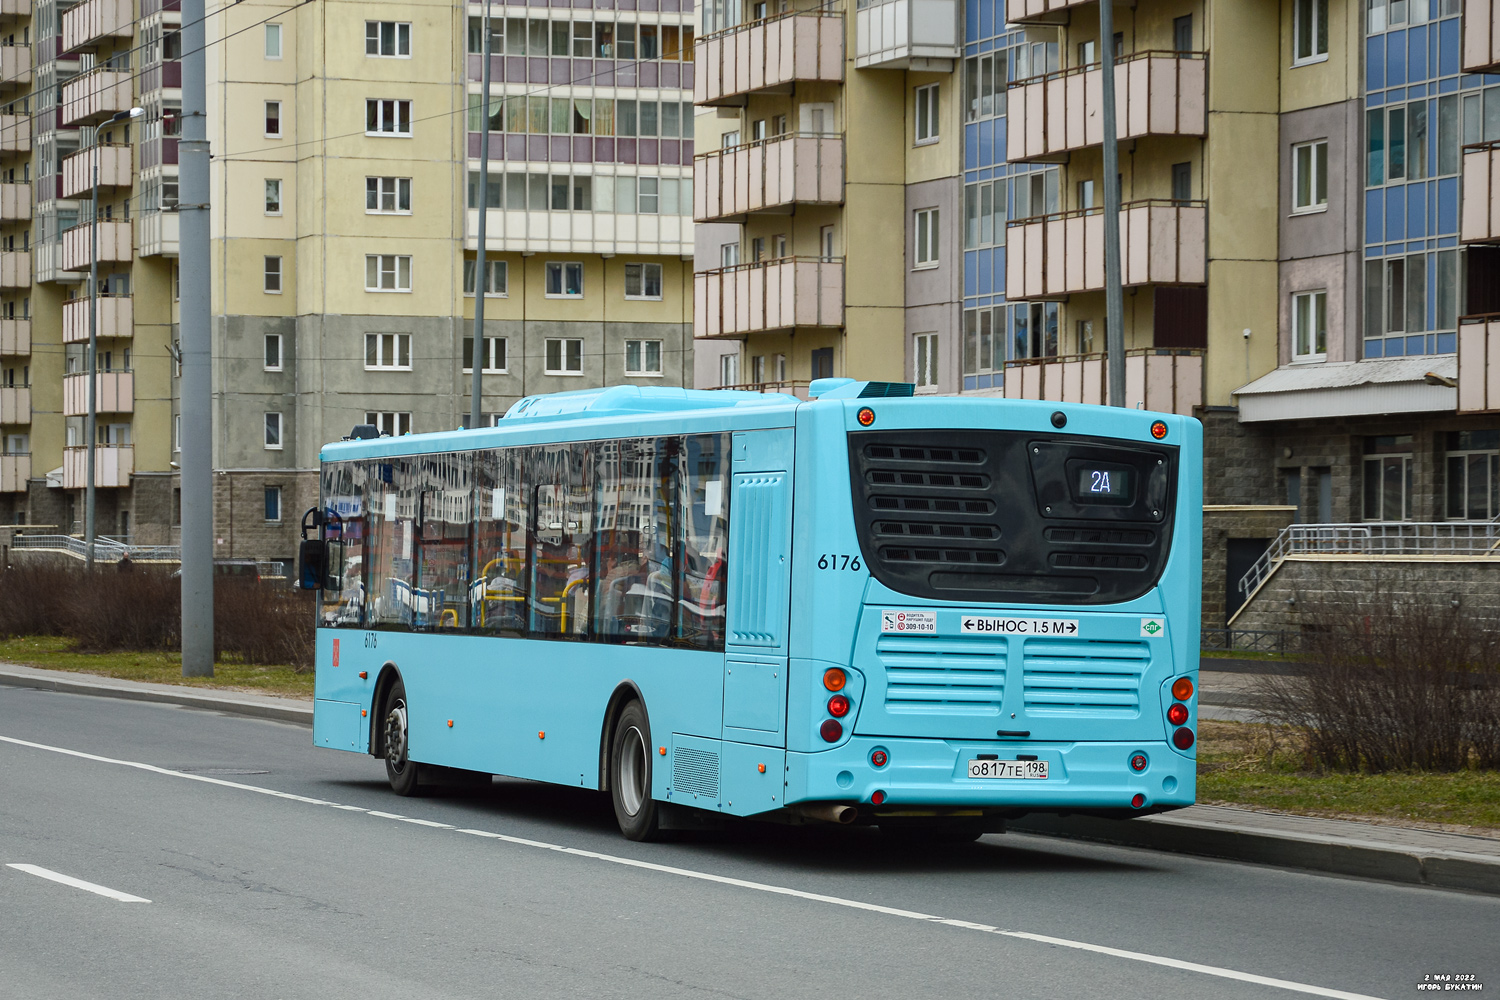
(757, 249)
(927, 114)
(984, 86)
(385, 117)
(387, 272)
(1473, 475)
(273, 119)
(1397, 321)
(1397, 136)
(273, 275)
(390, 424)
(1182, 182)
(642, 357)
(1388, 478)
(729, 255)
(1182, 33)
(388, 195)
(388, 351)
(273, 503)
(729, 369)
(650, 195)
(496, 278)
(273, 41)
(273, 352)
(494, 355)
(564, 356)
(176, 432)
(1310, 31)
(389, 38)
(1310, 326)
(925, 226)
(273, 196)
(564, 281)
(1310, 176)
(273, 431)
(643, 281)
(924, 360)
(984, 214)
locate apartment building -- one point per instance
(345, 196)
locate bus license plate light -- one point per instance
(1036, 769)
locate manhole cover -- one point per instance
(221, 770)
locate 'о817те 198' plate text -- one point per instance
(1008, 769)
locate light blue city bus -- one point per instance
(926, 613)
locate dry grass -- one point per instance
(55, 653)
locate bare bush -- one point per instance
(138, 611)
(1397, 679)
(264, 624)
(33, 600)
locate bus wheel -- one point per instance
(630, 775)
(400, 769)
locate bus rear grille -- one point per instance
(695, 772)
(942, 676)
(1100, 679)
(931, 505)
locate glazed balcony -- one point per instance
(87, 24)
(774, 295)
(78, 170)
(114, 245)
(768, 56)
(1162, 242)
(15, 269)
(115, 318)
(113, 465)
(15, 470)
(1156, 93)
(1480, 216)
(1479, 364)
(15, 404)
(907, 34)
(12, 10)
(114, 392)
(95, 96)
(15, 337)
(47, 258)
(1041, 11)
(1167, 380)
(769, 176)
(15, 202)
(15, 67)
(15, 133)
(158, 234)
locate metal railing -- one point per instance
(105, 549)
(793, 386)
(1242, 640)
(1386, 538)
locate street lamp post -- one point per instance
(90, 428)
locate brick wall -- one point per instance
(1299, 584)
(1221, 523)
(241, 530)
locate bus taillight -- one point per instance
(876, 798)
(838, 706)
(832, 730)
(1182, 688)
(834, 679)
(1177, 714)
(1183, 739)
(1138, 800)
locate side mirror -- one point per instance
(312, 561)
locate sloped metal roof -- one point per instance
(1350, 388)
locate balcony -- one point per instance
(15, 133)
(115, 318)
(907, 34)
(15, 66)
(775, 295)
(158, 234)
(15, 337)
(15, 404)
(1162, 242)
(48, 260)
(1040, 11)
(11, 10)
(1479, 364)
(768, 56)
(114, 392)
(15, 202)
(78, 170)
(114, 245)
(1165, 379)
(1156, 93)
(15, 269)
(15, 470)
(93, 21)
(769, 176)
(1481, 34)
(1480, 220)
(95, 96)
(113, 465)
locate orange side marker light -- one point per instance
(364, 675)
(541, 736)
(662, 751)
(450, 723)
(761, 768)
(363, 713)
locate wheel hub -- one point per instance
(395, 737)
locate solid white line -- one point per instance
(78, 883)
(855, 904)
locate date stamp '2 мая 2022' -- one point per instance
(1450, 982)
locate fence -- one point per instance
(1395, 538)
(105, 549)
(1249, 641)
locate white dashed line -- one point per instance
(78, 883)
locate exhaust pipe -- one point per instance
(828, 812)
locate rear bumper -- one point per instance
(934, 773)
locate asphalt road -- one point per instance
(279, 871)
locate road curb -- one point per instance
(1410, 865)
(214, 701)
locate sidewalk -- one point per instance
(1343, 847)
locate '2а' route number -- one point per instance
(839, 561)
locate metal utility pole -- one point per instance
(1114, 296)
(196, 351)
(479, 354)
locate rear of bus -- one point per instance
(995, 608)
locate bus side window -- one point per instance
(561, 559)
(440, 599)
(392, 496)
(703, 573)
(633, 545)
(502, 526)
(343, 497)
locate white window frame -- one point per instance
(490, 351)
(280, 122)
(925, 361)
(925, 116)
(729, 369)
(276, 31)
(280, 505)
(273, 275)
(396, 424)
(397, 186)
(643, 282)
(729, 255)
(1304, 325)
(1313, 6)
(275, 431)
(562, 268)
(395, 272)
(273, 196)
(390, 351)
(641, 348)
(280, 343)
(400, 36)
(1315, 150)
(562, 356)
(394, 105)
(926, 226)
(497, 274)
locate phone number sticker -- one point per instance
(1019, 626)
(908, 621)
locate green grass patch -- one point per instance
(53, 653)
(1263, 767)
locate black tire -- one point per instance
(933, 831)
(630, 770)
(400, 770)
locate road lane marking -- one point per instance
(78, 883)
(1134, 956)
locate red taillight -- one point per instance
(834, 679)
(838, 705)
(877, 797)
(878, 758)
(1182, 739)
(832, 731)
(1182, 688)
(1177, 714)
(1138, 800)
(1138, 762)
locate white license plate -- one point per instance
(1008, 769)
